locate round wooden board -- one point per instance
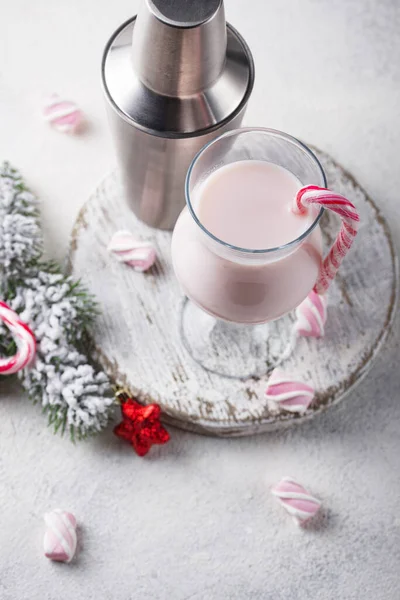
(137, 342)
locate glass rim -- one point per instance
(270, 132)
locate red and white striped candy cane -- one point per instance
(24, 339)
(312, 194)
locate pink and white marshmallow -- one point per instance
(287, 393)
(294, 498)
(63, 115)
(60, 537)
(311, 316)
(135, 253)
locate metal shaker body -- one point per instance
(171, 86)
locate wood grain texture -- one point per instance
(136, 338)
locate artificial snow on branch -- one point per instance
(77, 397)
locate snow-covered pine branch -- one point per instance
(76, 397)
(20, 234)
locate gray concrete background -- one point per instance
(194, 520)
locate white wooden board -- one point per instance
(136, 338)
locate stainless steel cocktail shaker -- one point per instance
(174, 77)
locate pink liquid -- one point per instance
(246, 204)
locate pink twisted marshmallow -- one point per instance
(24, 339)
(60, 537)
(285, 393)
(296, 500)
(311, 316)
(63, 115)
(312, 194)
(139, 255)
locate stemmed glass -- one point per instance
(234, 320)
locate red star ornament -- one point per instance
(141, 426)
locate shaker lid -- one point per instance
(144, 82)
(186, 13)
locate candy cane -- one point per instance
(24, 339)
(312, 194)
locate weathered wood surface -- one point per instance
(137, 334)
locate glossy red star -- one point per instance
(141, 426)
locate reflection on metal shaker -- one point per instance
(174, 77)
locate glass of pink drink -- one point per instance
(241, 255)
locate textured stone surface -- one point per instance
(194, 520)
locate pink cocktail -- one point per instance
(239, 251)
(247, 205)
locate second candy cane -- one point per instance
(24, 339)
